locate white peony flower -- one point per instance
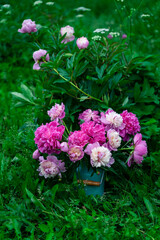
(100, 156)
(114, 139)
(114, 118)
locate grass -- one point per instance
(34, 208)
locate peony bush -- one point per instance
(89, 75)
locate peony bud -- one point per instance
(82, 42)
(36, 154)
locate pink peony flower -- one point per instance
(28, 26)
(95, 132)
(88, 115)
(36, 154)
(124, 36)
(140, 150)
(82, 42)
(37, 56)
(57, 112)
(112, 120)
(48, 137)
(51, 167)
(114, 140)
(75, 153)
(69, 31)
(78, 138)
(100, 155)
(131, 125)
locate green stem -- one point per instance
(65, 126)
(77, 87)
(131, 148)
(34, 38)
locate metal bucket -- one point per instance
(93, 182)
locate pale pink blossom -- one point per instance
(69, 31)
(114, 140)
(48, 137)
(89, 115)
(82, 42)
(140, 150)
(28, 26)
(51, 167)
(57, 112)
(37, 56)
(64, 147)
(111, 119)
(75, 153)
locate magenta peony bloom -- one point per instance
(112, 120)
(95, 132)
(57, 112)
(78, 138)
(99, 155)
(131, 125)
(28, 26)
(114, 140)
(124, 36)
(36, 154)
(75, 153)
(37, 56)
(48, 137)
(82, 42)
(140, 150)
(69, 31)
(89, 115)
(51, 167)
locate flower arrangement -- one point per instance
(94, 71)
(100, 136)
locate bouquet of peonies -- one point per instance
(100, 136)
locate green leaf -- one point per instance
(125, 101)
(61, 232)
(115, 80)
(27, 92)
(137, 91)
(44, 228)
(100, 71)
(149, 207)
(53, 191)
(35, 200)
(21, 98)
(83, 98)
